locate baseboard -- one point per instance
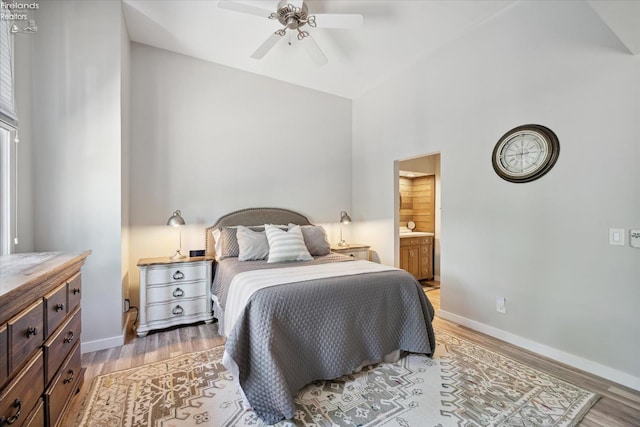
(547, 351)
(89, 346)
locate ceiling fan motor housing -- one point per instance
(290, 16)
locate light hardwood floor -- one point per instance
(619, 406)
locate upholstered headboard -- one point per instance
(254, 216)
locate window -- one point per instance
(8, 123)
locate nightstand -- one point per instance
(174, 292)
(360, 252)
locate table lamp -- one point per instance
(176, 220)
(344, 219)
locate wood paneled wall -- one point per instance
(418, 202)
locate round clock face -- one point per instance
(525, 153)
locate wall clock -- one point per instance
(525, 153)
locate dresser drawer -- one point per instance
(23, 392)
(63, 386)
(59, 345)
(36, 417)
(177, 310)
(25, 334)
(4, 355)
(55, 306)
(175, 273)
(74, 291)
(176, 292)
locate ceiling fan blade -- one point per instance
(337, 20)
(244, 8)
(266, 46)
(314, 51)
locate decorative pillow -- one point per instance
(315, 239)
(253, 245)
(286, 245)
(228, 243)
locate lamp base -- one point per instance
(342, 243)
(178, 255)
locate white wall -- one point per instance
(542, 245)
(208, 140)
(77, 151)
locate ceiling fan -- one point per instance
(294, 15)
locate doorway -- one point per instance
(417, 217)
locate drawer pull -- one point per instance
(13, 418)
(178, 310)
(76, 291)
(68, 380)
(178, 275)
(32, 331)
(69, 338)
(59, 307)
(178, 292)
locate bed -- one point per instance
(324, 316)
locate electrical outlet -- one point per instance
(501, 305)
(126, 306)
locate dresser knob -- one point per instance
(59, 307)
(13, 418)
(178, 310)
(69, 338)
(178, 292)
(76, 291)
(32, 331)
(178, 275)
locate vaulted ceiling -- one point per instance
(394, 35)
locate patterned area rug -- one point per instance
(463, 385)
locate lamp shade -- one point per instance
(176, 219)
(344, 218)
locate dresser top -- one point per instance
(24, 278)
(22, 269)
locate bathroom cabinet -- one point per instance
(416, 256)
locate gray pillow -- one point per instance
(253, 245)
(315, 239)
(228, 243)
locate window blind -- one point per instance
(7, 98)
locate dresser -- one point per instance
(174, 292)
(40, 326)
(356, 251)
(416, 256)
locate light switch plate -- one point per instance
(501, 305)
(634, 238)
(616, 236)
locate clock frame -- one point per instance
(525, 153)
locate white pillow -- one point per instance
(253, 245)
(217, 242)
(286, 245)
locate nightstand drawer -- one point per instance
(177, 310)
(175, 274)
(362, 254)
(176, 292)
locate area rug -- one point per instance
(462, 385)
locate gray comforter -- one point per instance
(290, 335)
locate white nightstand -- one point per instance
(360, 252)
(174, 292)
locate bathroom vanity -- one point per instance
(416, 254)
